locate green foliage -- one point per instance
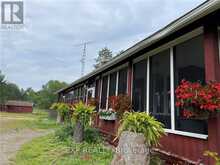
(9, 91)
(141, 122)
(105, 113)
(82, 112)
(18, 121)
(42, 98)
(213, 155)
(63, 109)
(47, 95)
(49, 150)
(104, 56)
(65, 132)
(92, 135)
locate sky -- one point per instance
(48, 46)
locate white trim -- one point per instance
(116, 90)
(194, 33)
(132, 79)
(116, 69)
(100, 96)
(148, 86)
(107, 92)
(219, 44)
(189, 134)
(172, 96)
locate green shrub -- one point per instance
(92, 135)
(142, 123)
(65, 132)
(82, 113)
(63, 109)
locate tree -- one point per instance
(2, 78)
(104, 56)
(47, 95)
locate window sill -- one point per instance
(188, 134)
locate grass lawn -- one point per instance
(16, 121)
(49, 150)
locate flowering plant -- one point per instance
(195, 99)
(120, 104)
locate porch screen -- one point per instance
(122, 81)
(112, 85)
(160, 87)
(139, 86)
(97, 90)
(104, 92)
(189, 65)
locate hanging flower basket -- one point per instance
(197, 101)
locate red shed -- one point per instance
(19, 106)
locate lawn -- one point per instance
(17, 121)
(49, 150)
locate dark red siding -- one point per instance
(19, 109)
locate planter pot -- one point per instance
(111, 117)
(132, 150)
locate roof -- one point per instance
(197, 13)
(19, 103)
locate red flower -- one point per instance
(196, 96)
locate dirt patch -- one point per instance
(10, 142)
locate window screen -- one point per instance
(112, 85)
(160, 87)
(104, 92)
(122, 81)
(139, 86)
(189, 65)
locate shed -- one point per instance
(19, 106)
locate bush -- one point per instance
(92, 135)
(65, 132)
(141, 122)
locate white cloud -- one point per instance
(45, 49)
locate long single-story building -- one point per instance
(19, 106)
(149, 72)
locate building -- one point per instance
(19, 106)
(188, 48)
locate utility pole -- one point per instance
(83, 57)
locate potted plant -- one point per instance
(198, 101)
(107, 114)
(81, 116)
(120, 104)
(138, 133)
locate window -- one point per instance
(139, 86)
(112, 85)
(76, 94)
(122, 81)
(189, 65)
(160, 87)
(104, 92)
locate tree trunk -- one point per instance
(59, 118)
(78, 132)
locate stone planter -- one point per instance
(132, 150)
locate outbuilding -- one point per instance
(19, 106)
